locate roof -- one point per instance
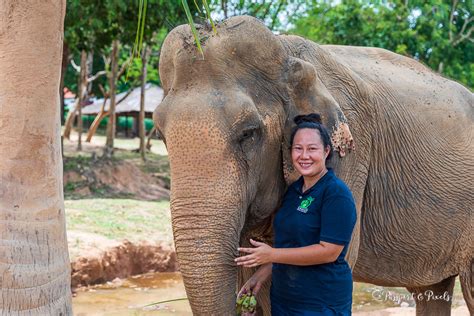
(131, 103)
(68, 94)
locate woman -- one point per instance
(312, 228)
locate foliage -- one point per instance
(274, 14)
(436, 33)
(192, 26)
(93, 25)
(140, 28)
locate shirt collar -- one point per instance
(298, 185)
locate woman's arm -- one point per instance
(323, 252)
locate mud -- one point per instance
(121, 261)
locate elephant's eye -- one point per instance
(249, 141)
(248, 134)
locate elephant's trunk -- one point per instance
(206, 251)
(208, 204)
(208, 213)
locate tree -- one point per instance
(35, 267)
(98, 26)
(273, 13)
(81, 29)
(437, 33)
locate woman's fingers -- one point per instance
(244, 260)
(247, 250)
(251, 264)
(256, 243)
(246, 288)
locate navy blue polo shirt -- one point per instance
(325, 212)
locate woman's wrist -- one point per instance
(265, 270)
(273, 255)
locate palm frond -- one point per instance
(208, 12)
(193, 27)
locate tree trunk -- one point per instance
(90, 69)
(141, 117)
(111, 126)
(440, 67)
(35, 267)
(82, 93)
(65, 62)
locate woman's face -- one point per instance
(308, 153)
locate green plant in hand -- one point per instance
(246, 304)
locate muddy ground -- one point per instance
(121, 261)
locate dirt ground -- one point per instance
(98, 251)
(122, 260)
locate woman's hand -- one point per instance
(261, 254)
(254, 284)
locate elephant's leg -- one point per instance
(435, 299)
(467, 284)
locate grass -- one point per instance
(158, 147)
(117, 219)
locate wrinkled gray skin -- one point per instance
(226, 122)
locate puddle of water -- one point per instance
(128, 297)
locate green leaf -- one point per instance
(208, 12)
(193, 27)
(197, 7)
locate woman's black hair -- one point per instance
(313, 121)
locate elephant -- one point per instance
(402, 135)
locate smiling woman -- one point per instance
(310, 149)
(313, 228)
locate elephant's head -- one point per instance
(225, 120)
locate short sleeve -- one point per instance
(338, 217)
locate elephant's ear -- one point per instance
(171, 47)
(309, 95)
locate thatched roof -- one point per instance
(131, 103)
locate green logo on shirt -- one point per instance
(305, 204)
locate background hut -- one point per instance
(128, 106)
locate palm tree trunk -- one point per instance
(34, 260)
